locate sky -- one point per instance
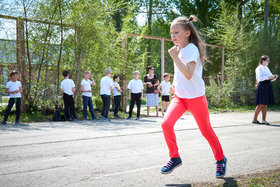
(8, 27)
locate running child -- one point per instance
(68, 88)
(165, 92)
(117, 95)
(87, 94)
(188, 55)
(135, 87)
(14, 89)
(106, 85)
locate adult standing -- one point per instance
(151, 81)
(264, 94)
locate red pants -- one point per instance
(199, 109)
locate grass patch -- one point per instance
(267, 178)
(241, 109)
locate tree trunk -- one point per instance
(77, 78)
(43, 54)
(266, 10)
(59, 57)
(29, 98)
(21, 59)
(150, 14)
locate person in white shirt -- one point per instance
(117, 95)
(264, 94)
(164, 88)
(135, 87)
(14, 89)
(106, 85)
(188, 55)
(87, 95)
(67, 87)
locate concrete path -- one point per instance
(131, 153)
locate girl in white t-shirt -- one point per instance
(164, 88)
(188, 55)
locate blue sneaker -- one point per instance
(221, 168)
(171, 165)
(4, 123)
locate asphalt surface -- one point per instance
(131, 153)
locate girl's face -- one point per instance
(179, 35)
(265, 62)
(15, 77)
(151, 71)
(87, 76)
(136, 76)
(117, 79)
(167, 78)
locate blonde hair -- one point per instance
(86, 72)
(165, 75)
(194, 36)
(136, 72)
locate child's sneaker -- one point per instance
(17, 122)
(4, 123)
(171, 165)
(221, 168)
(129, 117)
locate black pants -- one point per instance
(106, 105)
(117, 102)
(11, 103)
(69, 106)
(135, 98)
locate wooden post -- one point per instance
(162, 58)
(124, 95)
(223, 66)
(20, 54)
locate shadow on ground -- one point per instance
(228, 182)
(114, 125)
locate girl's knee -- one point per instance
(165, 125)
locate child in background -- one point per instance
(165, 91)
(117, 95)
(14, 89)
(87, 94)
(106, 85)
(68, 88)
(135, 87)
(188, 55)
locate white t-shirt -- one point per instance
(13, 86)
(66, 85)
(87, 86)
(262, 73)
(115, 91)
(105, 85)
(165, 87)
(136, 86)
(194, 87)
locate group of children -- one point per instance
(67, 85)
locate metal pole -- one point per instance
(124, 48)
(162, 58)
(223, 66)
